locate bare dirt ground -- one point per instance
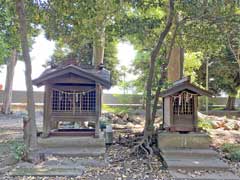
(122, 165)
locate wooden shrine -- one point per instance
(73, 93)
(180, 104)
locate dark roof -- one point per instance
(101, 76)
(185, 84)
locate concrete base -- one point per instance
(169, 140)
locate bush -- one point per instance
(228, 147)
(18, 149)
(234, 156)
(233, 151)
(204, 123)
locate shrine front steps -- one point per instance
(71, 146)
(181, 164)
(193, 159)
(70, 141)
(192, 140)
(74, 152)
(204, 175)
(58, 167)
(189, 153)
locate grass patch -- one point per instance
(217, 108)
(204, 123)
(116, 110)
(232, 150)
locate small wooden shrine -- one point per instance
(180, 104)
(73, 93)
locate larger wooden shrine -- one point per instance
(73, 93)
(180, 105)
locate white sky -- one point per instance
(42, 51)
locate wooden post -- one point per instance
(98, 109)
(52, 124)
(195, 111)
(171, 104)
(47, 111)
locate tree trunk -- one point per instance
(20, 9)
(148, 128)
(99, 46)
(6, 107)
(231, 103)
(181, 62)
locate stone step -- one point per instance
(170, 140)
(195, 163)
(58, 167)
(66, 141)
(48, 171)
(190, 153)
(216, 175)
(74, 152)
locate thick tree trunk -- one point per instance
(148, 128)
(99, 46)
(28, 72)
(181, 62)
(6, 107)
(231, 103)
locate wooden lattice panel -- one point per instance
(183, 105)
(72, 101)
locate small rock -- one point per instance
(125, 117)
(236, 126)
(215, 125)
(229, 126)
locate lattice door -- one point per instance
(183, 112)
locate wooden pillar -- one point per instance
(195, 111)
(47, 111)
(54, 124)
(171, 104)
(98, 109)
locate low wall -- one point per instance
(116, 99)
(112, 99)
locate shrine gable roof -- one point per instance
(101, 76)
(185, 85)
